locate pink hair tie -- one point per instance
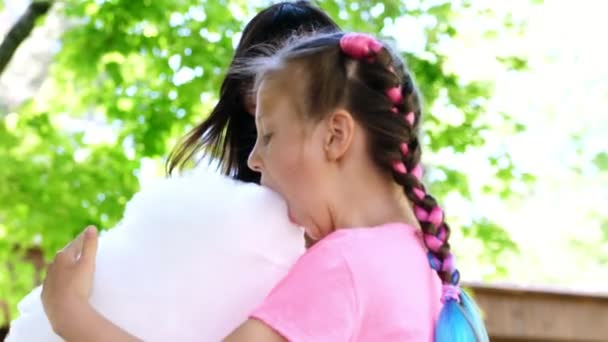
(449, 263)
(419, 193)
(420, 213)
(399, 167)
(435, 242)
(359, 45)
(450, 292)
(432, 242)
(395, 95)
(435, 216)
(410, 118)
(417, 172)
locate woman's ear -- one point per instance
(341, 128)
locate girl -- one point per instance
(350, 172)
(337, 119)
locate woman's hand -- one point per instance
(66, 292)
(69, 279)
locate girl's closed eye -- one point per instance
(266, 138)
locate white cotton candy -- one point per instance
(191, 258)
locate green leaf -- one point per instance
(601, 161)
(514, 63)
(605, 230)
(497, 243)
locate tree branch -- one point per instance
(21, 30)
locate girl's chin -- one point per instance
(291, 218)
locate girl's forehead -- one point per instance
(268, 98)
(272, 92)
(282, 90)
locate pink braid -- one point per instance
(365, 47)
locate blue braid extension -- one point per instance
(458, 322)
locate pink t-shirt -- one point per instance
(360, 284)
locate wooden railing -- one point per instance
(533, 314)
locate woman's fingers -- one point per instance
(73, 250)
(89, 246)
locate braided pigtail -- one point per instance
(381, 73)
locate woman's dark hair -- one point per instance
(360, 74)
(229, 132)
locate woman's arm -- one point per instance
(66, 292)
(92, 327)
(254, 330)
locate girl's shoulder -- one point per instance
(354, 257)
(383, 251)
(363, 239)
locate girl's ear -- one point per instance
(341, 127)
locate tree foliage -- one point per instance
(144, 72)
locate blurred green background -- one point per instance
(515, 123)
